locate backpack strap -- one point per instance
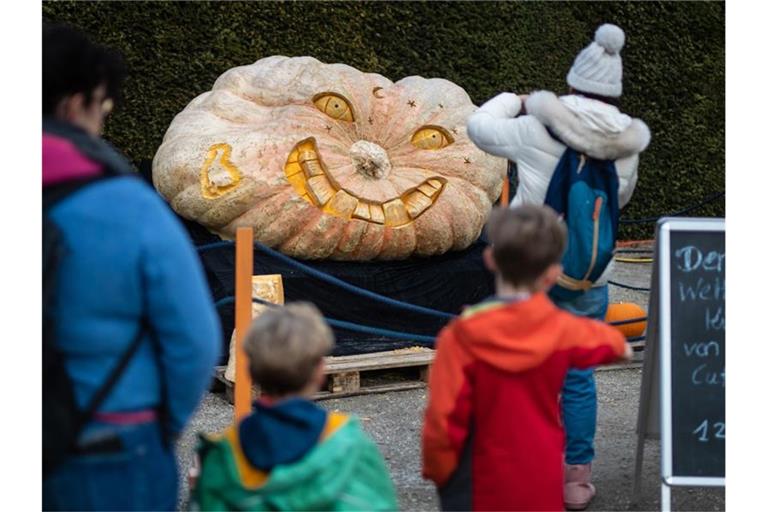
(55, 193)
(109, 383)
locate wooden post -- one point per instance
(243, 291)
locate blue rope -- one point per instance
(630, 321)
(224, 301)
(648, 220)
(215, 245)
(366, 329)
(628, 287)
(380, 332)
(336, 281)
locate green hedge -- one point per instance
(674, 65)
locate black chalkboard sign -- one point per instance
(692, 348)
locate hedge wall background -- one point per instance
(674, 65)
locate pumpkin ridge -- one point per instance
(457, 237)
(441, 239)
(293, 223)
(334, 146)
(331, 235)
(367, 248)
(231, 227)
(217, 100)
(341, 130)
(412, 185)
(352, 236)
(292, 238)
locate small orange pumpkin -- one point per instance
(621, 311)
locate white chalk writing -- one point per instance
(703, 431)
(702, 349)
(704, 289)
(690, 258)
(703, 375)
(714, 318)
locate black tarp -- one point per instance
(445, 283)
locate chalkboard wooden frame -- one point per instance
(665, 229)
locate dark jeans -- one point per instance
(141, 476)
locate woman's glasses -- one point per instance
(106, 107)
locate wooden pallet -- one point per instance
(352, 375)
(347, 375)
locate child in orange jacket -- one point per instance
(492, 436)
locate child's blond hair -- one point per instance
(285, 345)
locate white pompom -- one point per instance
(610, 37)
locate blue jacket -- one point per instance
(128, 257)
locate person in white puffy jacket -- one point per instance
(521, 128)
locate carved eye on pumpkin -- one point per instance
(334, 105)
(431, 137)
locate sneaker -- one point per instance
(579, 490)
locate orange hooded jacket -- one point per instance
(494, 401)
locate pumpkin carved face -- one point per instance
(324, 161)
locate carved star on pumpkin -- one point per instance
(411, 103)
(328, 127)
(370, 120)
(467, 160)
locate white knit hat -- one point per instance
(597, 69)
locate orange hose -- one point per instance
(505, 192)
(634, 243)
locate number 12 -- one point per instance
(703, 430)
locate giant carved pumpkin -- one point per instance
(325, 161)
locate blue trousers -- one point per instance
(579, 396)
(142, 476)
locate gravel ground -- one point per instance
(394, 421)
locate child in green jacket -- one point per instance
(290, 454)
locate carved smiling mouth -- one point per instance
(311, 180)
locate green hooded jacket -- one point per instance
(344, 471)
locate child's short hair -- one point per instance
(525, 241)
(284, 346)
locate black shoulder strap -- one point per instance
(55, 193)
(109, 383)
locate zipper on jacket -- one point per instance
(596, 227)
(582, 161)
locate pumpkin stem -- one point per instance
(370, 159)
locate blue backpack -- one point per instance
(585, 192)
